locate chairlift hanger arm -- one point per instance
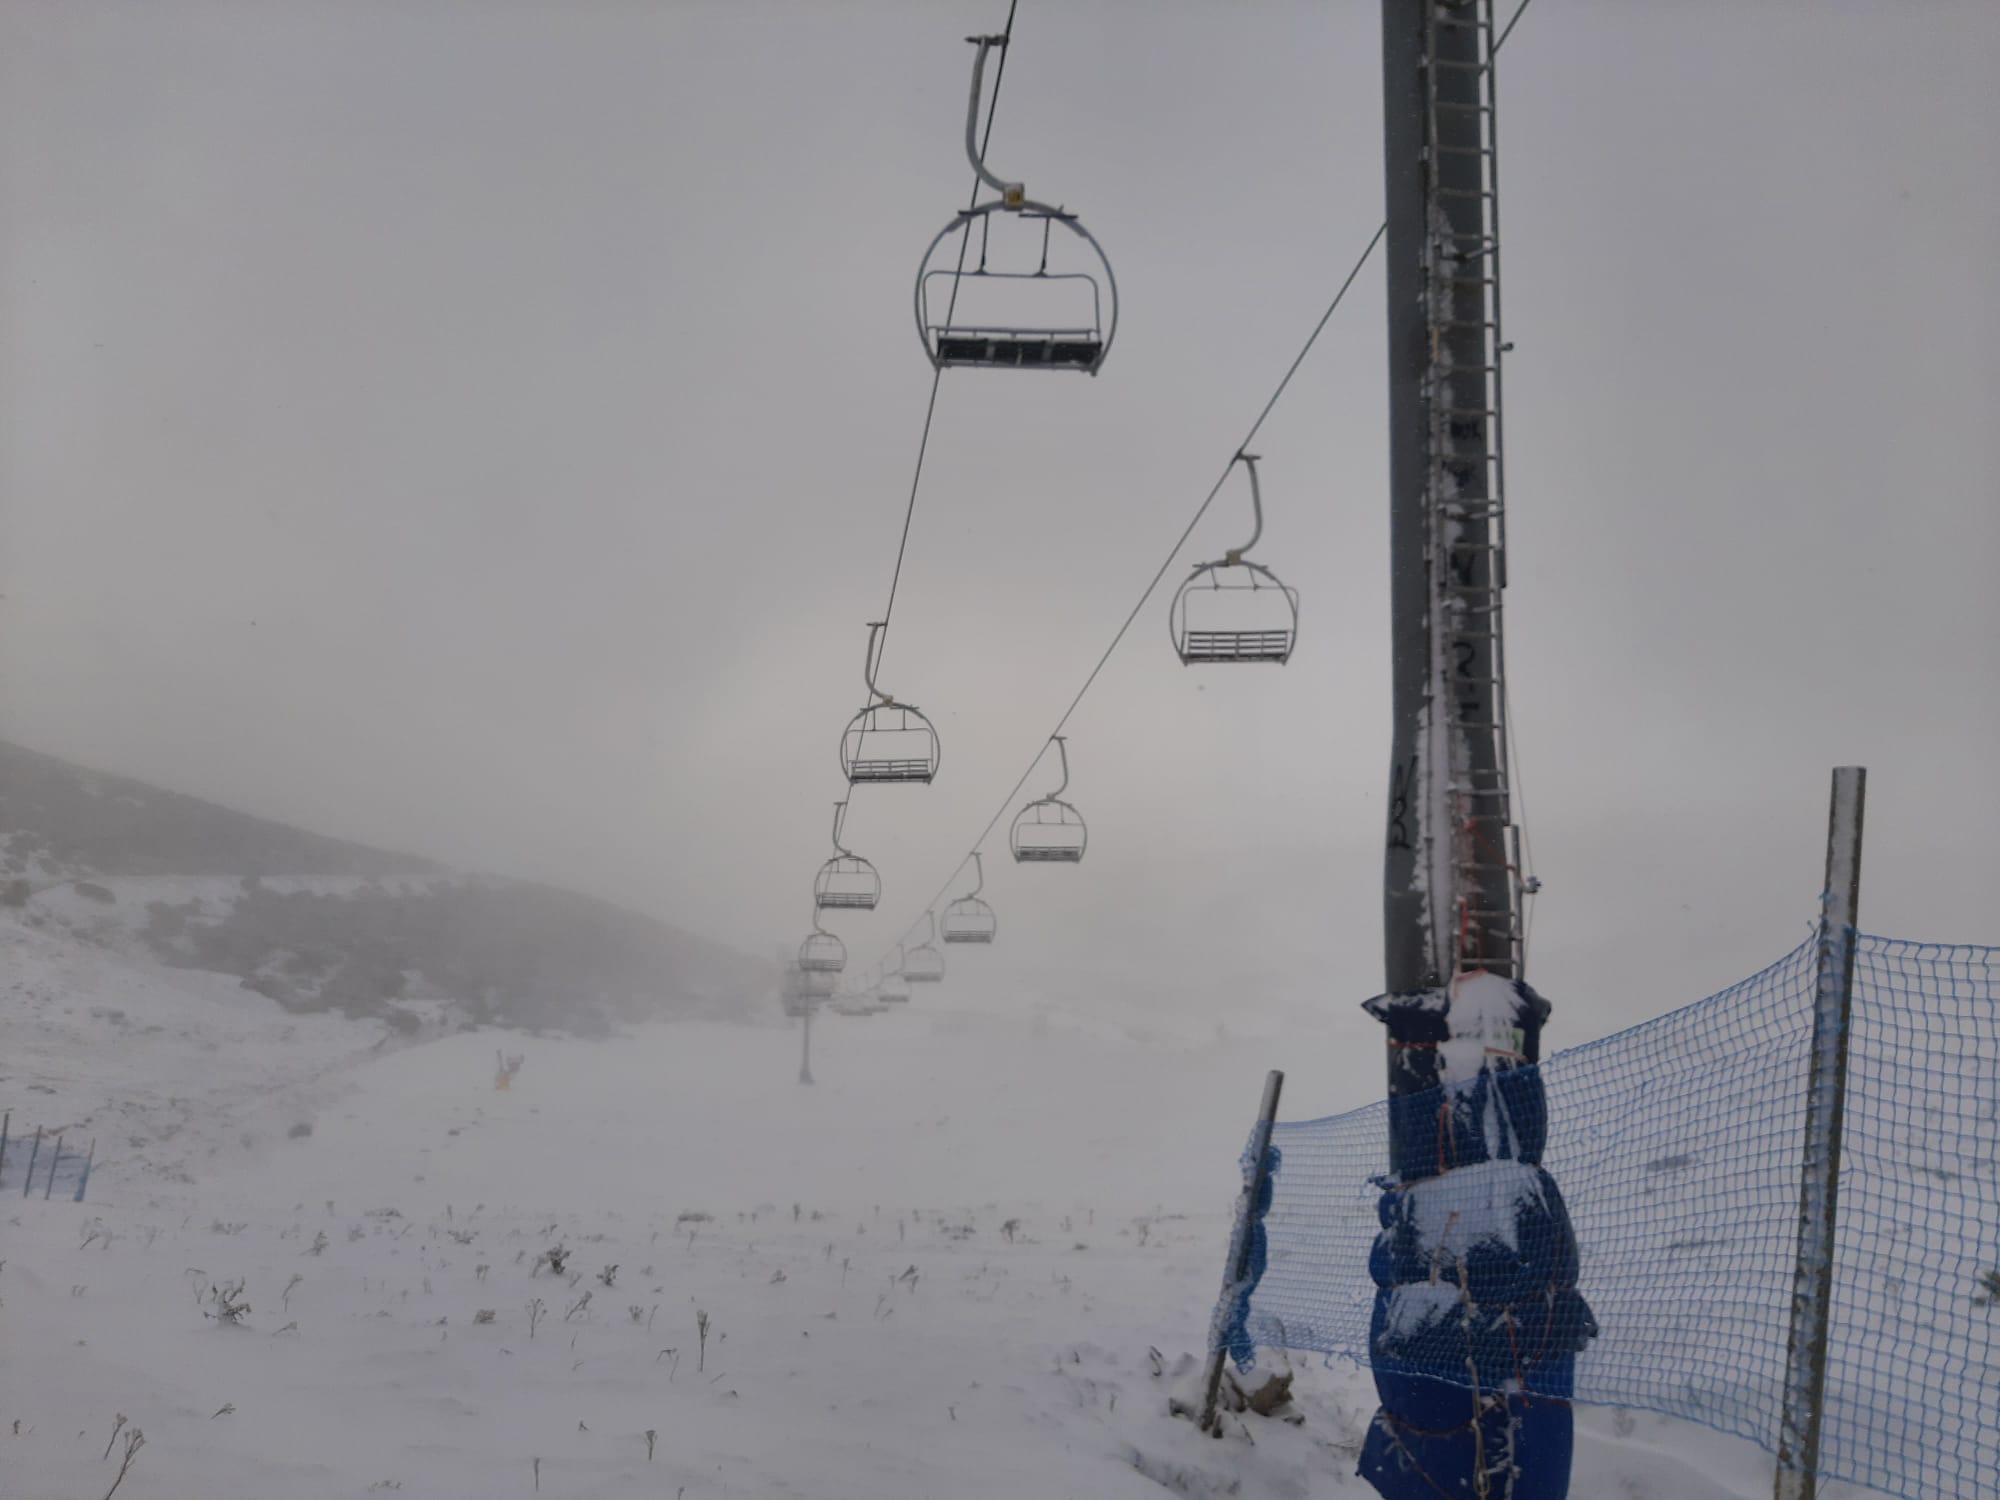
(1063, 751)
(1013, 194)
(1235, 554)
(839, 817)
(868, 663)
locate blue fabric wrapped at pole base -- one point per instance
(1523, 1444)
(1477, 1319)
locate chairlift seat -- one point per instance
(1048, 854)
(847, 883)
(925, 965)
(1018, 349)
(969, 920)
(891, 769)
(1237, 645)
(822, 953)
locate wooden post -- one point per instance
(54, 1162)
(28, 1177)
(1246, 1208)
(1819, 1178)
(83, 1182)
(5, 1120)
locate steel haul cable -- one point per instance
(1166, 563)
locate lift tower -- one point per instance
(1451, 901)
(1475, 1403)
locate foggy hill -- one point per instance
(62, 821)
(318, 923)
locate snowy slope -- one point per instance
(993, 1229)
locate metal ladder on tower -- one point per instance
(1467, 491)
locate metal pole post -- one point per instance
(83, 1182)
(5, 1120)
(806, 1043)
(54, 1162)
(1409, 961)
(28, 1178)
(1819, 1181)
(1246, 1207)
(1449, 899)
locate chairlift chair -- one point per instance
(924, 964)
(893, 990)
(975, 317)
(1234, 610)
(822, 952)
(1050, 830)
(887, 742)
(847, 882)
(969, 919)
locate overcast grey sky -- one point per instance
(483, 429)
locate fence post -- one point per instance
(54, 1162)
(1239, 1239)
(83, 1182)
(5, 1120)
(1819, 1181)
(28, 1177)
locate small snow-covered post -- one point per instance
(1241, 1238)
(1819, 1178)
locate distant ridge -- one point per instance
(72, 821)
(318, 923)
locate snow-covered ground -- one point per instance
(975, 1259)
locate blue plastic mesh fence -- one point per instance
(1676, 1146)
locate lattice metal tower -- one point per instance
(1452, 895)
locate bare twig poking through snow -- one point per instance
(116, 1426)
(538, 1474)
(578, 1307)
(1009, 1229)
(535, 1311)
(483, 1315)
(319, 1244)
(227, 1409)
(553, 1257)
(650, 1435)
(701, 1329)
(286, 1301)
(636, 1311)
(609, 1275)
(226, 1304)
(134, 1441)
